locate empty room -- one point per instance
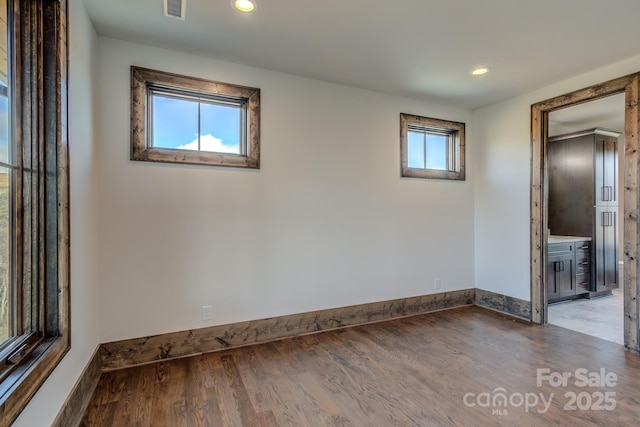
(306, 213)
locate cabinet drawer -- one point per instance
(558, 248)
(583, 262)
(583, 283)
(583, 246)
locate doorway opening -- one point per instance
(584, 267)
(540, 112)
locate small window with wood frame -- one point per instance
(432, 148)
(180, 119)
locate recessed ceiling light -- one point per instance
(244, 6)
(480, 71)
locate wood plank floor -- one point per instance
(446, 368)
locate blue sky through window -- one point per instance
(426, 151)
(175, 125)
(436, 152)
(416, 150)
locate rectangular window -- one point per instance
(182, 119)
(34, 227)
(431, 148)
(7, 167)
(196, 123)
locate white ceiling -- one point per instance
(417, 48)
(605, 113)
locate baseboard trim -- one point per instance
(141, 351)
(75, 406)
(503, 303)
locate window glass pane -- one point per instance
(5, 255)
(4, 125)
(220, 128)
(436, 152)
(175, 123)
(415, 150)
(5, 206)
(4, 83)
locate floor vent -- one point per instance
(175, 8)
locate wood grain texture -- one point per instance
(539, 196)
(538, 213)
(631, 208)
(77, 402)
(142, 78)
(126, 353)
(503, 303)
(460, 140)
(414, 371)
(42, 225)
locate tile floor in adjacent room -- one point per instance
(600, 317)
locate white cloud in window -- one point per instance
(210, 143)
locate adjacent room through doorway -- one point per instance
(585, 212)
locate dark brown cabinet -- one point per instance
(606, 249)
(583, 198)
(568, 269)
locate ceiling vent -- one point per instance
(175, 8)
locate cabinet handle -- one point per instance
(607, 193)
(584, 247)
(584, 263)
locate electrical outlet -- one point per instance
(207, 312)
(437, 284)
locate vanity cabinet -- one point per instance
(568, 268)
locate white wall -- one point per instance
(326, 222)
(502, 183)
(45, 405)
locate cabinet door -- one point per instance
(571, 186)
(605, 246)
(560, 276)
(553, 291)
(606, 170)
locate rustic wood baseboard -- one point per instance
(140, 351)
(503, 303)
(77, 402)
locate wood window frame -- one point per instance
(630, 86)
(456, 145)
(40, 68)
(143, 80)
